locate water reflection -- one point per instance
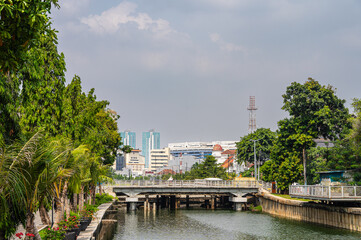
(219, 224)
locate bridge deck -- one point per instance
(185, 183)
(135, 187)
(326, 193)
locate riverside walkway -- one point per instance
(234, 190)
(326, 193)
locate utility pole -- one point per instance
(255, 158)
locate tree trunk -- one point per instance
(67, 206)
(93, 194)
(304, 167)
(100, 189)
(81, 199)
(75, 202)
(45, 219)
(30, 226)
(59, 214)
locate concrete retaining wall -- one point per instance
(342, 217)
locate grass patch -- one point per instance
(289, 197)
(255, 208)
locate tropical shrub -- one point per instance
(102, 198)
(53, 234)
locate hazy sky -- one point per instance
(187, 67)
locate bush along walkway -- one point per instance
(78, 225)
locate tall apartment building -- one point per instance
(159, 158)
(128, 138)
(150, 141)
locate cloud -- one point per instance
(109, 21)
(70, 7)
(226, 46)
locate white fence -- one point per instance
(185, 183)
(325, 192)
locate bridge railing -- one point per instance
(327, 192)
(184, 183)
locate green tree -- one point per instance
(43, 88)
(22, 24)
(288, 172)
(317, 163)
(245, 151)
(208, 168)
(267, 171)
(87, 121)
(315, 111)
(12, 191)
(9, 99)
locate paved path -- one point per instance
(38, 223)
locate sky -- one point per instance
(187, 68)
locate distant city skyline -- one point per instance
(187, 68)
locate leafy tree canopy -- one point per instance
(245, 151)
(22, 24)
(316, 110)
(208, 168)
(43, 88)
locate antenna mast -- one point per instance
(252, 114)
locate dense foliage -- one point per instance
(55, 141)
(315, 112)
(245, 147)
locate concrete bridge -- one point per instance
(170, 193)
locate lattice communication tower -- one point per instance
(252, 114)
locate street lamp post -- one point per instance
(255, 158)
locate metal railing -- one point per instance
(185, 183)
(326, 192)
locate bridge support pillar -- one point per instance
(146, 204)
(238, 202)
(213, 202)
(157, 202)
(206, 203)
(237, 206)
(172, 202)
(131, 203)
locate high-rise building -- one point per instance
(150, 141)
(128, 138)
(159, 158)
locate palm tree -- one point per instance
(11, 192)
(41, 167)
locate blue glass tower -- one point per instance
(150, 141)
(128, 138)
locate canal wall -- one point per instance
(341, 217)
(101, 227)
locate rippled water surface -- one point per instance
(219, 224)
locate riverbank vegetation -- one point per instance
(292, 155)
(56, 141)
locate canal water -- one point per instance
(219, 224)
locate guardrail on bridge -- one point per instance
(185, 183)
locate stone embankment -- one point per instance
(100, 227)
(335, 216)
